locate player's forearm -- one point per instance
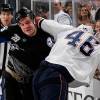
(54, 28)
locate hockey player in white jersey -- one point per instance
(74, 56)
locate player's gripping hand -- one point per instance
(38, 20)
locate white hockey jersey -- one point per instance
(76, 49)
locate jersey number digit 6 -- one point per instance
(86, 48)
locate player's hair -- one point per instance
(24, 12)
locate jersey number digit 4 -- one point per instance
(86, 48)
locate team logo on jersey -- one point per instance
(15, 38)
(50, 42)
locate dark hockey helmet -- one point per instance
(24, 12)
(6, 8)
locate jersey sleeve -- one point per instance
(4, 32)
(37, 21)
(8, 31)
(54, 28)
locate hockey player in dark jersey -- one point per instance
(6, 16)
(29, 46)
